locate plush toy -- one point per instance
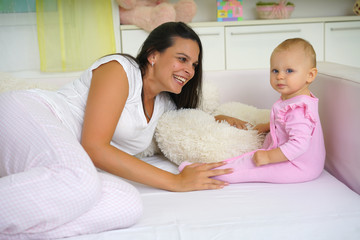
(148, 14)
(193, 134)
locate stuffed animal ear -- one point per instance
(185, 10)
(210, 97)
(126, 4)
(148, 14)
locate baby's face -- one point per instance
(290, 70)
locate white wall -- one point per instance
(18, 34)
(19, 49)
(18, 42)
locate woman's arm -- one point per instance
(107, 97)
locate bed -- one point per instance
(326, 208)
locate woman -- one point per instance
(50, 141)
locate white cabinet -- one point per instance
(342, 43)
(212, 40)
(251, 46)
(131, 41)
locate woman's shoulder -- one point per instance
(127, 62)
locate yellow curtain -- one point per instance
(73, 33)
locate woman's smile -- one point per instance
(180, 80)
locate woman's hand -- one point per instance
(232, 121)
(262, 127)
(197, 176)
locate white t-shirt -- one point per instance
(133, 134)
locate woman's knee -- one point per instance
(84, 183)
(135, 208)
(125, 198)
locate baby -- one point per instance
(293, 150)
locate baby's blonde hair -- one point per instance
(308, 48)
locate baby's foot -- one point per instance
(183, 165)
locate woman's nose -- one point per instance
(190, 70)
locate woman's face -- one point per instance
(174, 67)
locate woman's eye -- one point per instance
(182, 59)
(289, 70)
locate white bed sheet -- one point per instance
(321, 209)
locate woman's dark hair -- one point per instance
(162, 38)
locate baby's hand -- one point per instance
(235, 122)
(262, 127)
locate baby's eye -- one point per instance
(289, 70)
(274, 71)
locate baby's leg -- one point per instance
(239, 164)
(246, 171)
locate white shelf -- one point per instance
(262, 22)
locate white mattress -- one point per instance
(321, 209)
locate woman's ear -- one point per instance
(152, 58)
(312, 74)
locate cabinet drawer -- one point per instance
(251, 46)
(212, 40)
(342, 43)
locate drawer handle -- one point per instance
(266, 32)
(344, 28)
(209, 34)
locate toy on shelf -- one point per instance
(274, 10)
(148, 14)
(229, 10)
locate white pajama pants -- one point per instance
(49, 187)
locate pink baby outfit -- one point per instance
(295, 128)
